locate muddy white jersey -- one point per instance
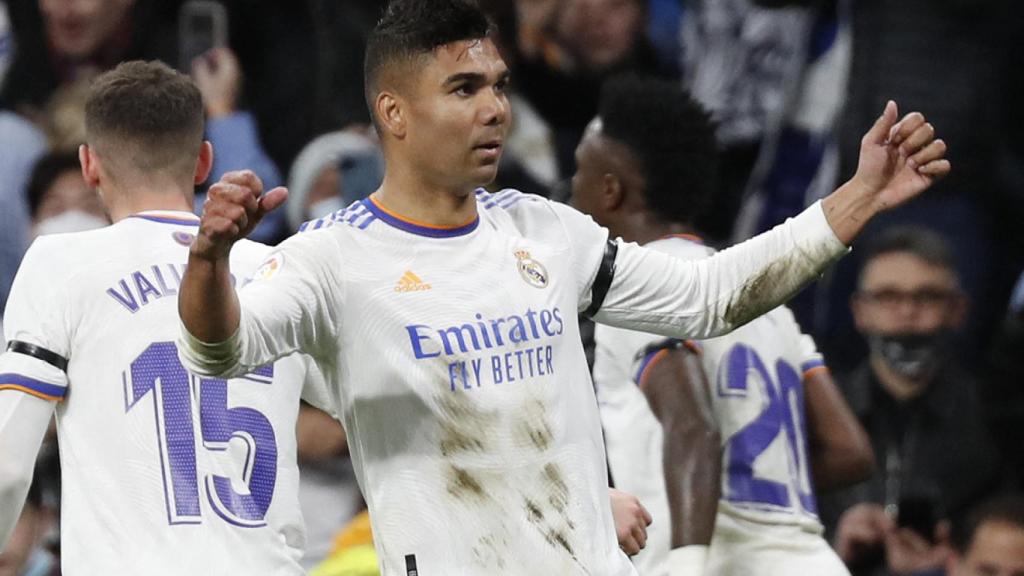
(162, 472)
(454, 358)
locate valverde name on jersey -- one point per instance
(537, 328)
(141, 287)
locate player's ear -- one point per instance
(614, 193)
(390, 112)
(204, 163)
(90, 165)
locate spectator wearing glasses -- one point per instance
(920, 408)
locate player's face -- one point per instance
(458, 114)
(997, 550)
(901, 293)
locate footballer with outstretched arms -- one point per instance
(443, 317)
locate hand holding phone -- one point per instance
(202, 26)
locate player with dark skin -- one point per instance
(677, 390)
(615, 184)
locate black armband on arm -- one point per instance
(40, 353)
(603, 281)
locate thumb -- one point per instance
(272, 200)
(879, 133)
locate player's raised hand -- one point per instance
(234, 206)
(899, 160)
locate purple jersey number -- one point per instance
(158, 370)
(782, 412)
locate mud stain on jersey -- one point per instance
(533, 512)
(533, 426)
(489, 552)
(775, 284)
(558, 495)
(463, 485)
(463, 427)
(454, 441)
(556, 530)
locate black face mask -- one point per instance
(913, 355)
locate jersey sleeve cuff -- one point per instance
(32, 376)
(814, 236)
(208, 358)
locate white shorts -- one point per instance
(744, 548)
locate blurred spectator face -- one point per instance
(601, 33)
(77, 28)
(69, 205)
(325, 194)
(902, 294)
(996, 550)
(907, 308)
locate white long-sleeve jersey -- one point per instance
(455, 362)
(767, 519)
(163, 472)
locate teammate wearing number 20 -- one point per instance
(163, 472)
(757, 376)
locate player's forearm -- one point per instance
(207, 301)
(210, 316)
(692, 477)
(848, 210)
(23, 423)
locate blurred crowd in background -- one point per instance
(792, 86)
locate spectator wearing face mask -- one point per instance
(920, 407)
(331, 172)
(59, 198)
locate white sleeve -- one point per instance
(290, 305)
(37, 326)
(586, 240)
(655, 292)
(33, 375)
(23, 423)
(314, 388)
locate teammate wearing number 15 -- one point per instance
(163, 472)
(645, 170)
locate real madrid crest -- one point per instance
(532, 271)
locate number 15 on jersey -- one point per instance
(158, 375)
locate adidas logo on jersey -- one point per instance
(410, 282)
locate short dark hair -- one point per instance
(411, 28)
(1005, 508)
(45, 172)
(921, 242)
(147, 113)
(673, 138)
